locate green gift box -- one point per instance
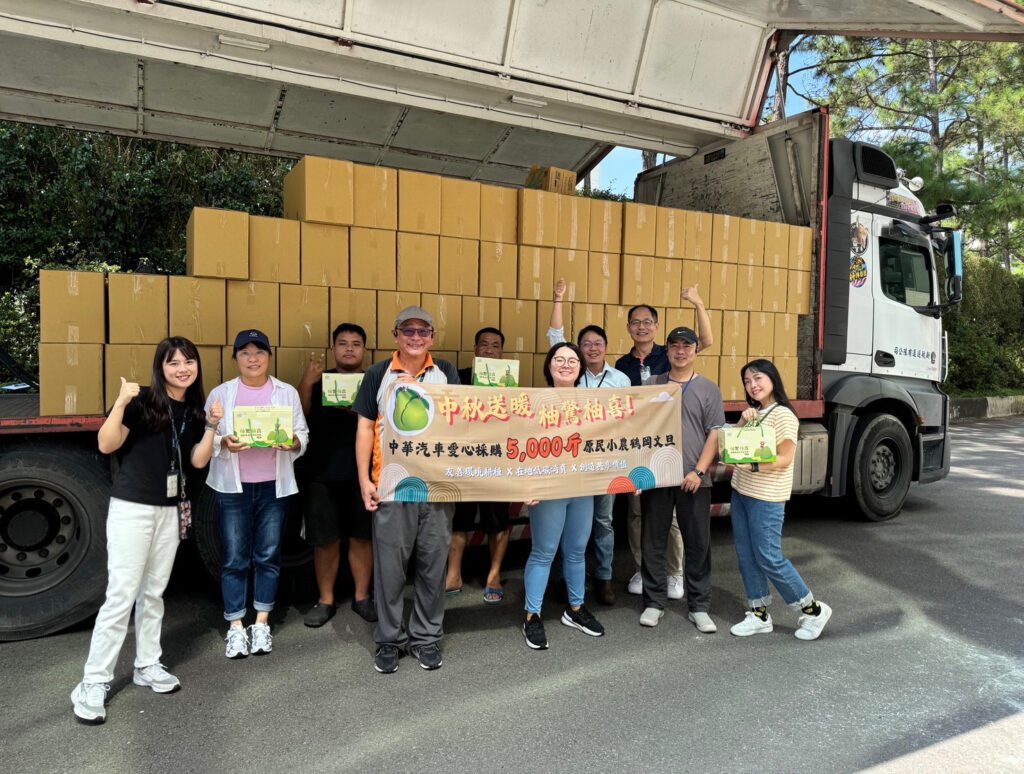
(261, 427)
(743, 445)
(339, 390)
(492, 372)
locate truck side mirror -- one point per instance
(954, 267)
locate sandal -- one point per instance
(453, 592)
(494, 596)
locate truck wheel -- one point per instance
(882, 467)
(53, 537)
(205, 531)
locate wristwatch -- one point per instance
(755, 467)
(700, 473)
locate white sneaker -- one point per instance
(262, 642)
(676, 587)
(650, 616)
(636, 584)
(237, 642)
(811, 625)
(156, 677)
(752, 624)
(88, 700)
(703, 622)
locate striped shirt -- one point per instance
(773, 486)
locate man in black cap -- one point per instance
(702, 415)
(399, 528)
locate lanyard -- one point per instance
(688, 383)
(603, 375)
(176, 441)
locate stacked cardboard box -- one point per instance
(358, 243)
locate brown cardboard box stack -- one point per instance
(358, 243)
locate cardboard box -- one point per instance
(478, 313)
(374, 262)
(499, 269)
(725, 239)
(788, 371)
(639, 228)
(460, 208)
(538, 218)
(707, 366)
(674, 317)
(697, 235)
(210, 358)
(735, 329)
(291, 362)
(459, 270)
(324, 256)
(71, 379)
(305, 318)
(134, 362)
(376, 197)
(729, 380)
(198, 309)
(273, 250)
(667, 276)
(571, 265)
(785, 341)
(671, 229)
(419, 202)
(261, 427)
(800, 241)
(574, 222)
(499, 214)
(753, 442)
(217, 244)
(751, 251)
(137, 308)
(723, 286)
(539, 379)
(555, 179)
(229, 366)
(340, 390)
(536, 272)
(776, 245)
(320, 190)
(604, 271)
(447, 313)
(749, 281)
(761, 336)
(582, 316)
(605, 226)
(519, 324)
(774, 290)
(616, 325)
(253, 305)
(355, 306)
(799, 293)
(697, 273)
(72, 307)
(418, 262)
(492, 372)
(636, 285)
(389, 304)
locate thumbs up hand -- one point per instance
(216, 413)
(128, 391)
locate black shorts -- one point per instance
(333, 510)
(493, 517)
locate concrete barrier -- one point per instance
(986, 408)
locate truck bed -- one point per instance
(20, 414)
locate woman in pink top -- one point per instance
(252, 486)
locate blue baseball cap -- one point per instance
(244, 338)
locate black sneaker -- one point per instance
(533, 631)
(385, 660)
(429, 655)
(365, 609)
(583, 620)
(319, 614)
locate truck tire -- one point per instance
(883, 461)
(53, 537)
(206, 532)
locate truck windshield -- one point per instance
(905, 273)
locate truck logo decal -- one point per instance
(859, 237)
(858, 271)
(919, 354)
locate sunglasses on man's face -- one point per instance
(423, 333)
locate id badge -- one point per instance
(172, 484)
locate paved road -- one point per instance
(927, 644)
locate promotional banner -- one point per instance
(446, 443)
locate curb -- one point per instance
(961, 409)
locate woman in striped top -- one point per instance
(759, 496)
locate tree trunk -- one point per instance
(934, 127)
(650, 159)
(982, 243)
(781, 85)
(1007, 254)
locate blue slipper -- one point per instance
(493, 596)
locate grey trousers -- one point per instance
(398, 530)
(693, 512)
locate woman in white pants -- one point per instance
(158, 434)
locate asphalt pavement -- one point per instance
(924, 656)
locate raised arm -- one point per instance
(310, 377)
(556, 329)
(703, 321)
(113, 433)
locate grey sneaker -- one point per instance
(262, 642)
(703, 622)
(238, 642)
(428, 655)
(88, 700)
(156, 677)
(650, 616)
(676, 587)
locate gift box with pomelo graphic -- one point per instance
(261, 427)
(753, 442)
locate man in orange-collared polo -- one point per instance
(398, 527)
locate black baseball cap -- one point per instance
(682, 334)
(244, 338)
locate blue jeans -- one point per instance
(604, 536)
(757, 531)
(567, 522)
(251, 527)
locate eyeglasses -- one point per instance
(423, 333)
(569, 361)
(647, 323)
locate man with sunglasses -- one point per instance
(399, 528)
